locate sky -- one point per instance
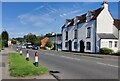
(21, 18)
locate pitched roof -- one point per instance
(106, 36)
(117, 23)
(95, 14)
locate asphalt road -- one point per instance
(77, 67)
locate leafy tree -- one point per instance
(37, 42)
(5, 37)
(30, 38)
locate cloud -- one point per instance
(43, 15)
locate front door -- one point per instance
(82, 46)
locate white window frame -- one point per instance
(88, 30)
(110, 44)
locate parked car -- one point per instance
(35, 47)
(23, 46)
(29, 45)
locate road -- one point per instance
(77, 67)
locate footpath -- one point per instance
(4, 68)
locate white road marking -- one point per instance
(49, 54)
(107, 64)
(70, 58)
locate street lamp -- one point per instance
(55, 41)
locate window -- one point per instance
(75, 45)
(115, 43)
(75, 34)
(88, 32)
(110, 44)
(88, 46)
(66, 44)
(66, 35)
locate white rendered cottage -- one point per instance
(91, 31)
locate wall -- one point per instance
(119, 42)
(105, 43)
(105, 22)
(82, 28)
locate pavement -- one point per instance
(70, 66)
(4, 68)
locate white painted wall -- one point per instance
(119, 41)
(63, 39)
(115, 31)
(82, 32)
(104, 22)
(105, 43)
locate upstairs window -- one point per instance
(66, 35)
(88, 32)
(75, 34)
(110, 44)
(88, 46)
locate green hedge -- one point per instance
(106, 51)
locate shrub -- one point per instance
(106, 51)
(49, 45)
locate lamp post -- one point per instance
(55, 40)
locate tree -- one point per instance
(5, 38)
(30, 38)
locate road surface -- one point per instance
(77, 67)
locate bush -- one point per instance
(49, 45)
(106, 51)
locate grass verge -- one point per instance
(19, 67)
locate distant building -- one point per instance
(91, 31)
(56, 39)
(43, 42)
(9, 42)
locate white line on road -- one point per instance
(70, 58)
(107, 64)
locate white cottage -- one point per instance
(91, 31)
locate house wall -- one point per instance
(104, 22)
(70, 36)
(82, 35)
(115, 31)
(119, 41)
(105, 43)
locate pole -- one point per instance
(20, 51)
(36, 59)
(27, 57)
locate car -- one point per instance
(29, 45)
(35, 47)
(23, 46)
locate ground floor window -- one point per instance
(115, 43)
(88, 46)
(66, 44)
(110, 44)
(75, 45)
